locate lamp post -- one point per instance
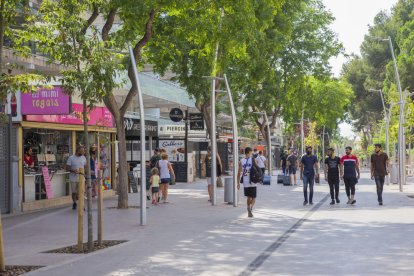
(143, 200)
(387, 124)
(269, 141)
(401, 138)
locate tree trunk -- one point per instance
(88, 175)
(123, 165)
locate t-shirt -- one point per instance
(75, 162)
(333, 166)
(292, 160)
(164, 170)
(350, 164)
(246, 165)
(154, 159)
(379, 164)
(260, 160)
(208, 161)
(283, 157)
(308, 162)
(155, 180)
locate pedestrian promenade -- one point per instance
(188, 236)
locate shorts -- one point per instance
(292, 170)
(250, 192)
(209, 181)
(165, 180)
(74, 186)
(155, 190)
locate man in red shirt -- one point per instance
(350, 173)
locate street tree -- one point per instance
(206, 40)
(61, 30)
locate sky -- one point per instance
(352, 18)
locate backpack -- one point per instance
(256, 174)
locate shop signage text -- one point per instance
(133, 128)
(176, 115)
(196, 121)
(98, 116)
(46, 101)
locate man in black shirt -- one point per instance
(283, 161)
(332, 165)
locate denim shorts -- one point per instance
(165, 180)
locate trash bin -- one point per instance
(228, 190)
(394, 174)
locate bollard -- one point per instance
(81, 190)
(100, 204)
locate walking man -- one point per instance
(73, 164)
(261, 161)
(350, 173)
(283, 161)
(332, 165)
(250, 188)
(379, 169)
(308, 167)
(292, 165)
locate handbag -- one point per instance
(220, 182)
(317, 180)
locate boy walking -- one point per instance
(350, 173)
(379, 169)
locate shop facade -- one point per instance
(49, 132)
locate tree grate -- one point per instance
(73, 249)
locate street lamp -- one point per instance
(143, 200)
(269, 141)
(401, 138)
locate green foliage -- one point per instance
(61, 31)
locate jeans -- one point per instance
(308, 179)
(379, 180)
(333, 186)
(350, 185)
(284, 171)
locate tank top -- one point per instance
(164, 171)
(155, 180)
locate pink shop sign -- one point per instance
(98, 116)
(46, 101)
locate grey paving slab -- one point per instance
(190, 237)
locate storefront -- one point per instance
(46, 141)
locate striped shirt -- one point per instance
(350, 164)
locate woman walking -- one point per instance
(166, 172)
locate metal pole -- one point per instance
(10, 157)
(401, 138)
(213, 141)
(269, 144)
(302, 138)
(143, 200)
(235, 143)
(323, 143)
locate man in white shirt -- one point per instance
(250, 188)
(73, 164)
(261, 161)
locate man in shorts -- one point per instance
(250, 188)
(73, 164)
(292, 165)
(350, 173)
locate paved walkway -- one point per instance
(190, 237)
